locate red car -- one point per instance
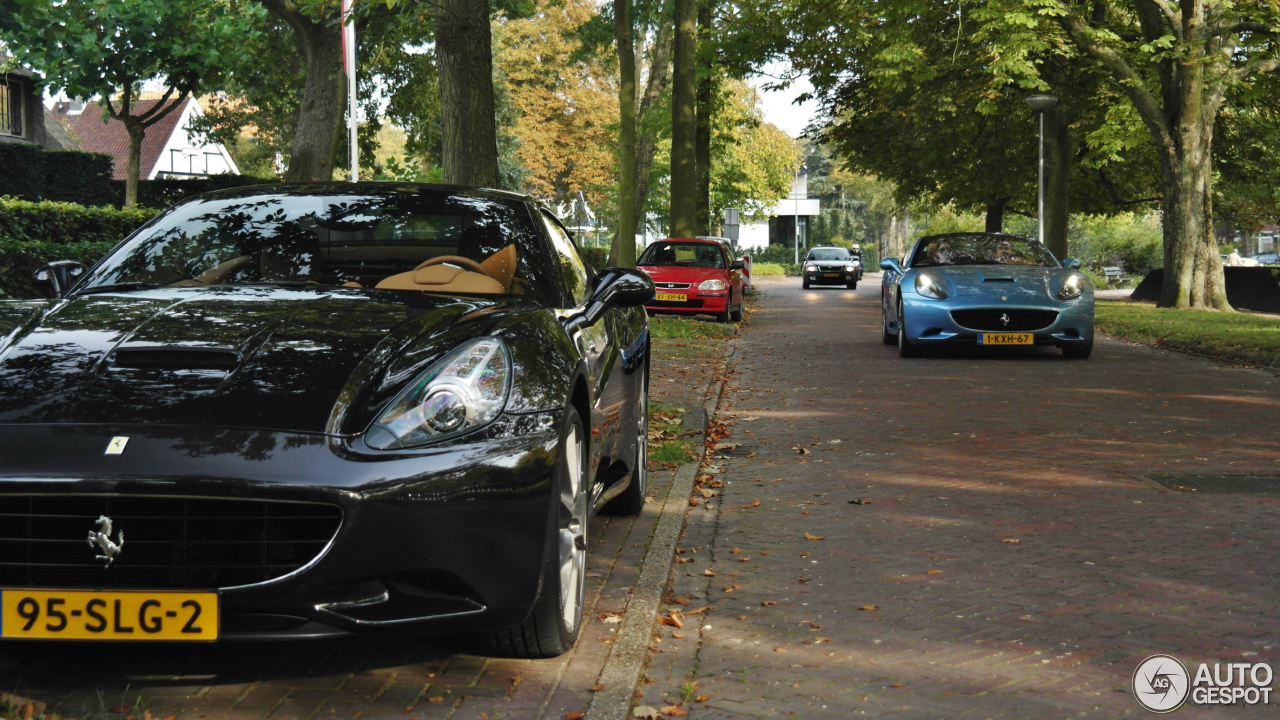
(694, 277)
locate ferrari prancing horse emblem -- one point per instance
(116, 446)
(102, 540)
(1004, 319)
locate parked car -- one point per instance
(311, 410)
(831, 266)
(1267, 258)
(694, 277)
(985, 288)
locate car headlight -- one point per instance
(850, 268)
(463, 391)
(931, 286)
(1072, 287)
(711, 285)
(811, 268)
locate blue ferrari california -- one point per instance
(985, 288)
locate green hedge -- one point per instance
(56, 222)
(20, 260)
(33, 173)
(597, 258)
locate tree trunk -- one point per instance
(706, 88)
(995, 215)
(1057, 157)
(137, 131)
(1193, 275)
(684, 175)
(659, 74)
(623, 252)
(468, 129)
(315, 137)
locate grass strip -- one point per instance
(1244, 336)
(673, 327)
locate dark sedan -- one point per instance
(299, 411)
(831, 266)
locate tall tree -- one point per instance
(109, 48)
(684, 177)
(1174, 63)
(705, 99)
(623, 252)
(464, 55)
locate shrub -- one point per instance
(767, 268)
(33, 173)
(57, 222)
(20, 260)
(597, 258)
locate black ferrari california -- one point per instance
(301, 411)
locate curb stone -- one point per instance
(630, 650)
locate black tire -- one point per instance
(905, 348)
(736, 315)
(805, 283)
(1078, 352)
(546, 632)
(722, 317)
(886, 337)
(631, 500)
(852, 286)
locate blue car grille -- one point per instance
(1004, 320)
(169, 542)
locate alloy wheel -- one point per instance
(573, 533)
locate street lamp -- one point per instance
(795, 195)
(1041, 103)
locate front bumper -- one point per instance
(930, 321)
(699, 303)
(446, 538)
(824, 277)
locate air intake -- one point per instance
(163, 357)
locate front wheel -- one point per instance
(553, 626)
(853, 285)
(886, 337)
(905, 348)
(805, 283)
(736, 315)
(1078, 352)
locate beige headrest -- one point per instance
(443, 278)
(502, 264)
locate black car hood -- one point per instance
(250, 357)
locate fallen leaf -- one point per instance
(1011, 540)
(897, 684)
(681, 561)
(744, 558)
(700, 610)
(644, 712)
(861, 501)
(679, 600)
(575, 715)
(869, 607)
(934, 572)
(436, 699)
(727, 446)
(702, 698)
(597, 687)
(708, 572)
(811, 623)
(693, 502)
(800, 450)
(672, 621)
(767, 603)
(753, 418)
(764, 552)
(610, 617)
(674, 711)
(708, 493)
(779, 650)
(822, 639)
(751, 455)
(807, 536)
(730, 588)
(754, 503)
(735, 551)
(677, 635)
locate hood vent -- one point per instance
(998, 280)
(166, 357)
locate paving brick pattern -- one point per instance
(396, 678)
(1020, 564)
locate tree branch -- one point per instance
(1173, 16)
(146, 117)
(1257, 66)
(1129, 80)
(1244, 26)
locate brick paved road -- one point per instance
(393, 678)
(959, 455)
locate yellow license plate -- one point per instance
(672, 297)
(116, 615)
(830, 274)
(1006, 339)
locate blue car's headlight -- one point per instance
(931, 285)
(1072, 287)
(463, 391)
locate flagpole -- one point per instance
(349, 67)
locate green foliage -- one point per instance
(1128, 240)
(767, 268)
(66, 223)
(33, 173)
(596, 257)
(1238, 336)
(776, 253)
(20, 260)
(675, 327)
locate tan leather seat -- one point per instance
(502, 265)
(443, 278)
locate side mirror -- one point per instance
(57, 277)
(1071, 264)
(736, 265)
(618, 287)
(890, 264)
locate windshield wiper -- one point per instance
(93, 289)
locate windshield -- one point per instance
(981, 249)
(420, 239)
(828, 254)
(682, 254)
